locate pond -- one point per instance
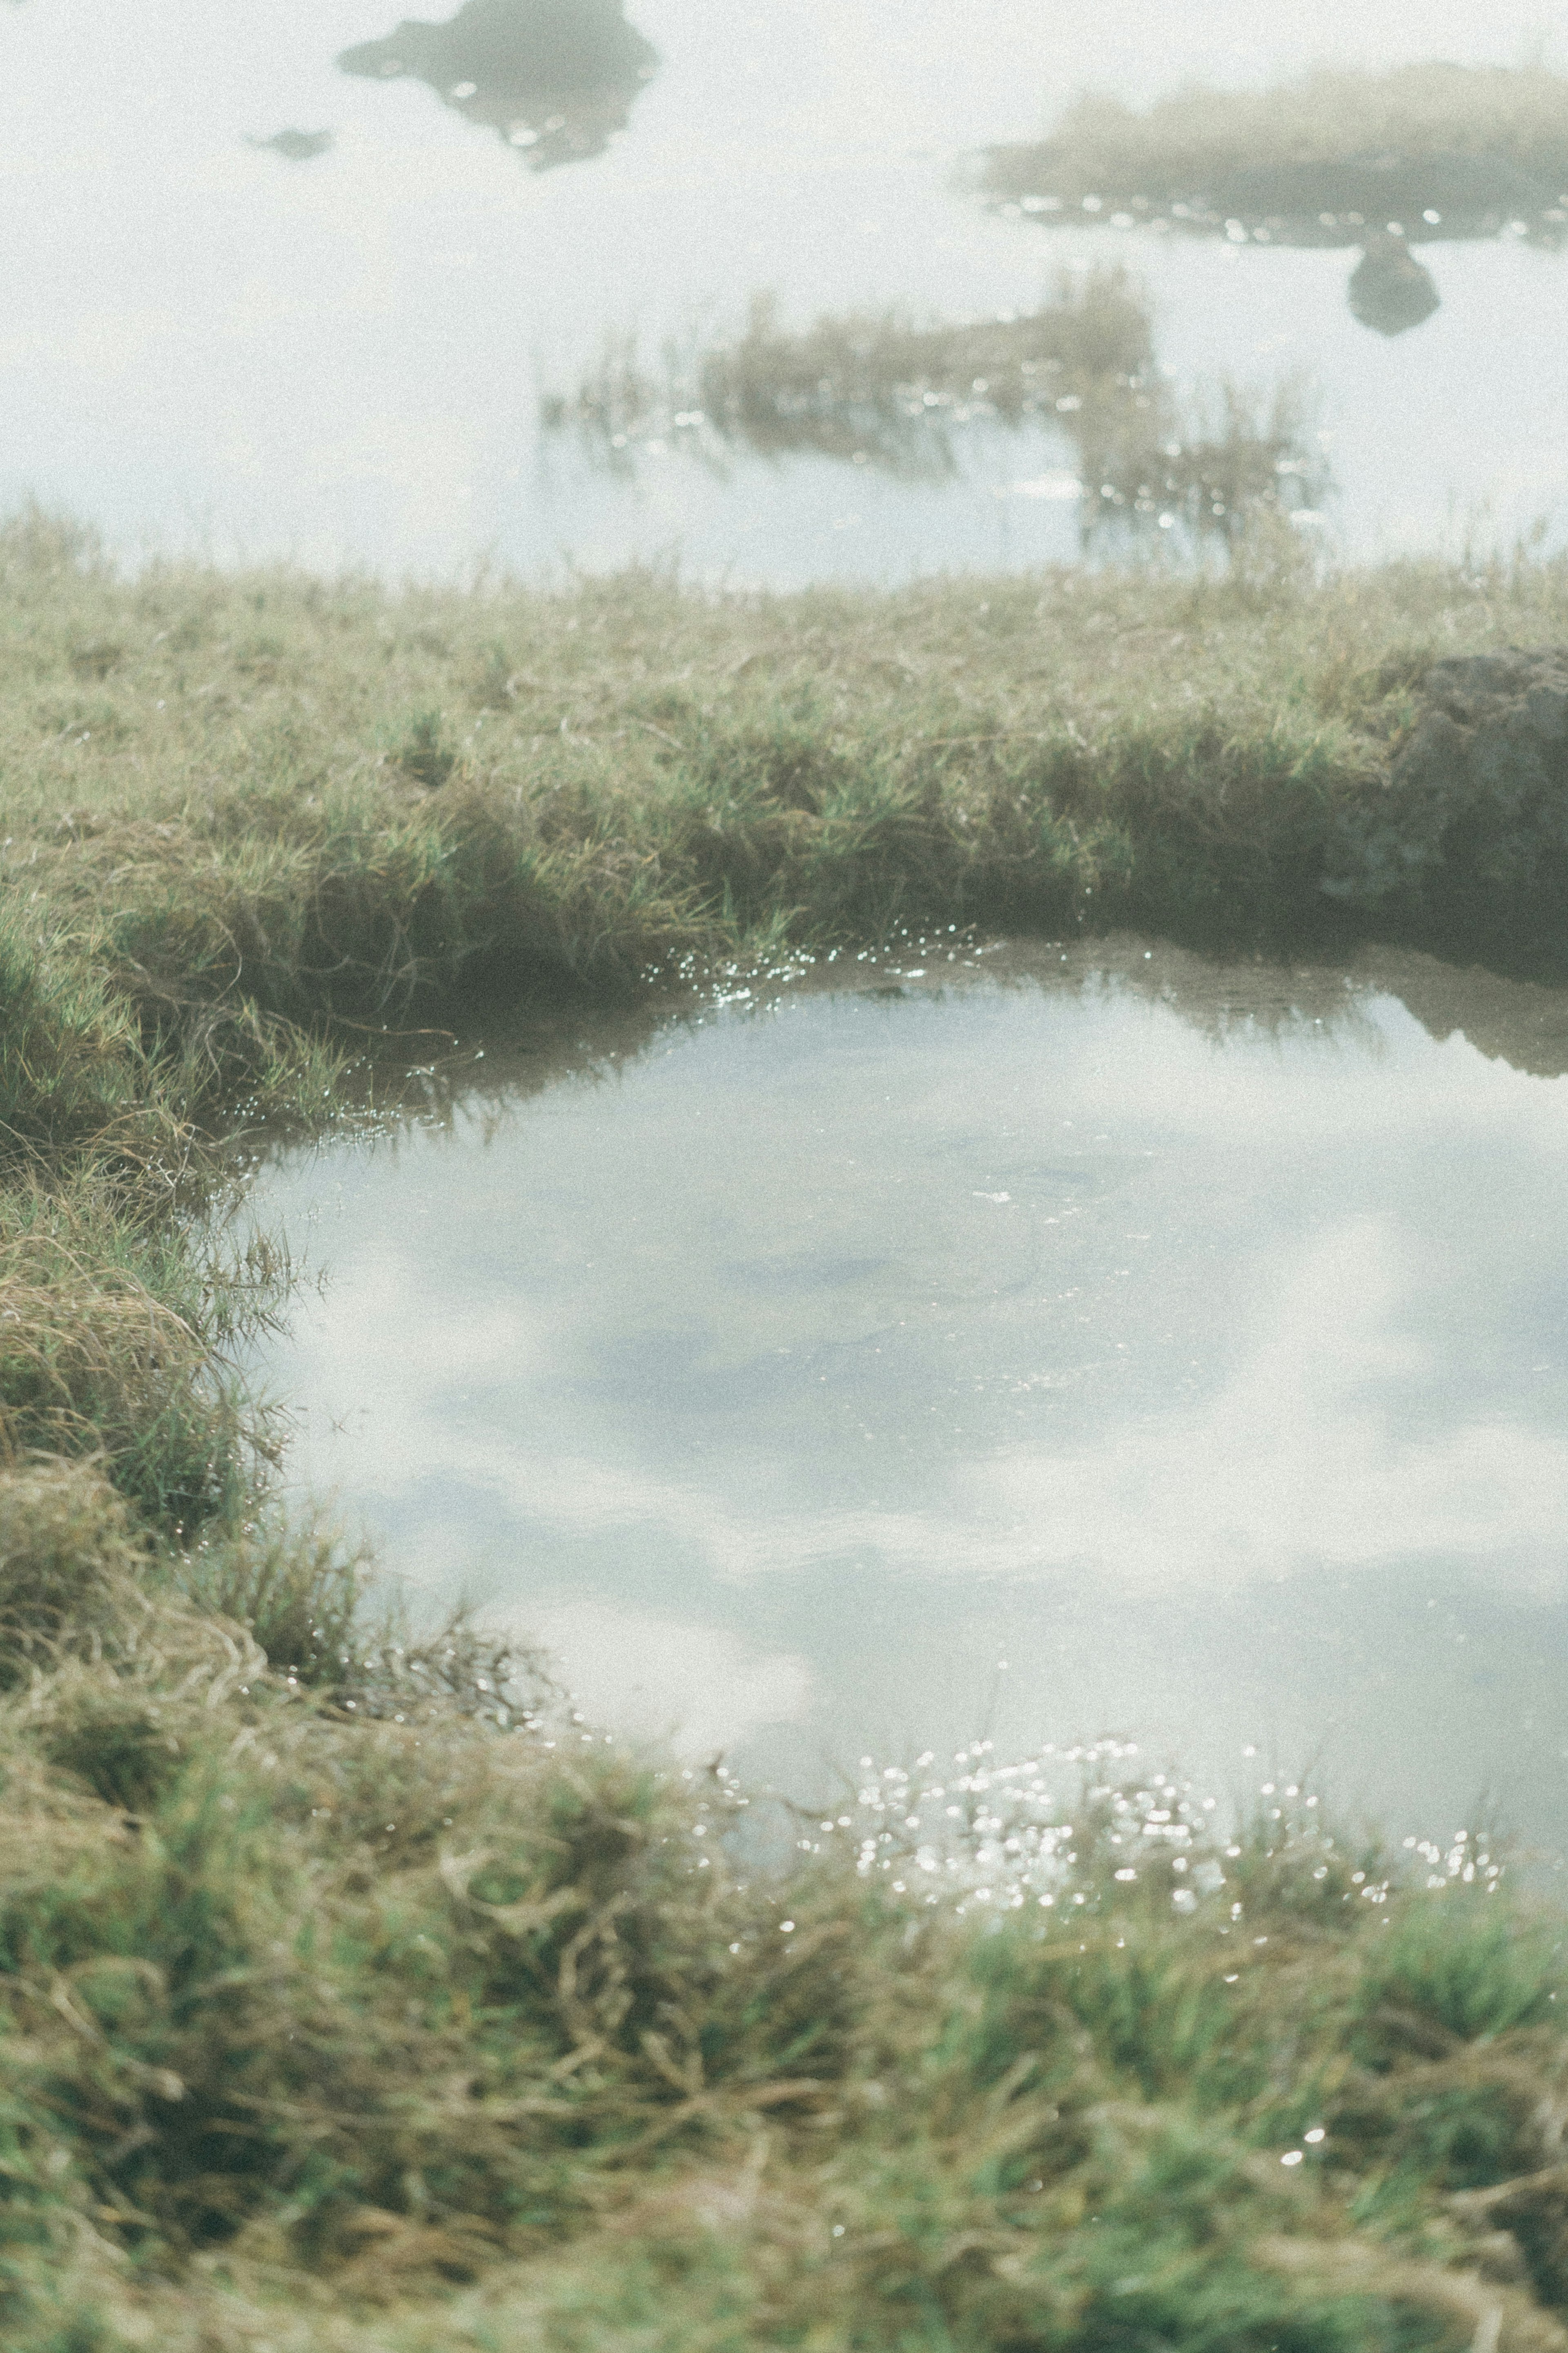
(1039, 1344)
(299, 281)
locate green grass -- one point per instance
(388, 2025)
(352, 1996)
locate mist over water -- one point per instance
(295, 282)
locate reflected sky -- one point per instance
(1192, 1344)
(339, 359)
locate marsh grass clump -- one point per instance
(298, 1591)
(641, 774)
(887, 392)
(70, 1064)
(880, 388)
(67, 1559)
(1182, 157)
(425, 754)
(853, 382)
(108, 1352)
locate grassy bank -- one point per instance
(232, 800)
(348, 1998)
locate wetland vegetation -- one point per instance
(1419, 156)
(353, 1993)
(897, 394)
(1493, 140)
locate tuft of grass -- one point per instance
(424, 756)
(67, 1557)
(422, 2028)
(882, 389)
(109, 1351)
(298, 1591)
(70, 1054)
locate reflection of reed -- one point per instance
(1210, 471)
(887, 392)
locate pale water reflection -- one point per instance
(263, 306)
(1047, 1344)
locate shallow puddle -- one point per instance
(347, 256)
(1034, 1344)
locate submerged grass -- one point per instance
(354, 1995)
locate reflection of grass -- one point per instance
(886, 391)
(1180, 148)
(341, 2009)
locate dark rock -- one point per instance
(1390, 289)
(1469, 824)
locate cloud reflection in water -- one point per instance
(877, 1338)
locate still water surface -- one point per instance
(290, 280)
(1035, 1344)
